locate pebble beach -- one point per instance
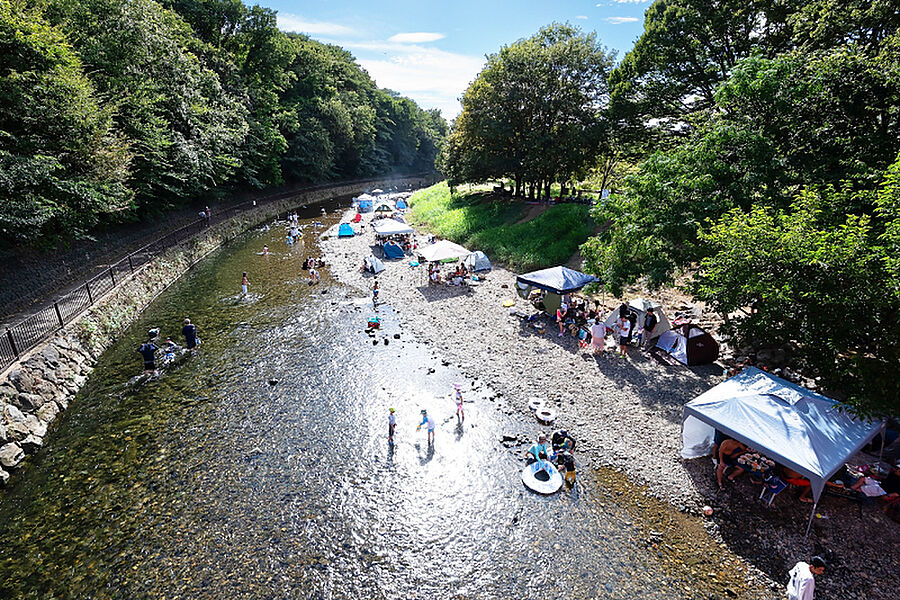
(626, 415)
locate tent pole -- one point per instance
(812, 513)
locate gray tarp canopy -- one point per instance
(792, 425)
(559, 280)
(392, 227)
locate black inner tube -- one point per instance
(542, 475)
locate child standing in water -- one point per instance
(244, 283)
(426, 420)
(460, 414)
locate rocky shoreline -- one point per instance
(626, 414)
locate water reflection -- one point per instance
(212, 482)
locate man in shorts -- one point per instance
(392, 426)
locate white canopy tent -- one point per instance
(392, 227)
(443, 250)
(793, 426)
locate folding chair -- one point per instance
(773, 485)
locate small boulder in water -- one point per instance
(396, 336)
(386, 342)
(273, 381)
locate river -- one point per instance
(260, 467)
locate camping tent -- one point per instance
(378, 191)
(401, 205)
(392, 250)
(477, 261)
(392, 227)
(384, 207)
(689, 345)
(443, 250)
(365, 205)
(639, 307)
(791, 425)
(346, 230)
(558, 280)
(374, 265)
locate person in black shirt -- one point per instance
(561, 440)
(148, 351)
(189, 331)
(650, 322)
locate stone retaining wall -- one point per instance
(35, 390)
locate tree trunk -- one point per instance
(547, 189)
(531, 191)
(518, 185)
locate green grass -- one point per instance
(479, 222)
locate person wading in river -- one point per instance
(392, 425)
(426, 420)
(460, 413)
(148, 352)
(189, 331)
(245, 282)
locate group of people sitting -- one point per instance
(728, 455)
(586, 322)
(560, 451)
(405, 241)
(455, 277)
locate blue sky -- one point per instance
(430, 51)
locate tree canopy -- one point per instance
(768, 174)
(534, 112)
(113, 110)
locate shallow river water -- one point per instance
(210, 482)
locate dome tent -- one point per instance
(689, 344)
(346, 230)
(374, 265)
(477, 261)
(639, 307)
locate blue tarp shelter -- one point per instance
(401, 205)
(795, 427)
(346, 230)
(393, 251)
(558, 280)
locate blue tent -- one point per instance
(345, 230)
(393, 251)
(401, 205)
(559, 280)
(365, 206)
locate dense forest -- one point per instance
(752, 148)
(115, 110)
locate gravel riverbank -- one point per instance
(626, 414)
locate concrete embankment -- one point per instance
(35, 390)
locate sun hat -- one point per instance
(392, 410)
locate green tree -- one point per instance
(62, 167)
(534, 112)
(824, 292)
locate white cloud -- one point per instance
(582, 17)
(620, 20)
(416, 38)
(433, 78)
(297, 24)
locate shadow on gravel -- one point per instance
(435, 293)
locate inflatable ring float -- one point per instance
(542, 477)
(545, 415)
(535, 403)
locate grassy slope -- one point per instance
(477, 222)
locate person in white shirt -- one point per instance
(624, 328)
(802, 585)
(598, 337)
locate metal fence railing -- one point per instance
(37, 327)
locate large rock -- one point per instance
(29, 402)
(47, 413)
(51, 355)
(62, 401)
(4, 477)
(7, 391)
(11, 455)
(21, 380)
(4, 434)
(31, 444)
(35, 426)
(12, 414)
(17, 430)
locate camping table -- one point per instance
(756, 464)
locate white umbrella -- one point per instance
(443, 250)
